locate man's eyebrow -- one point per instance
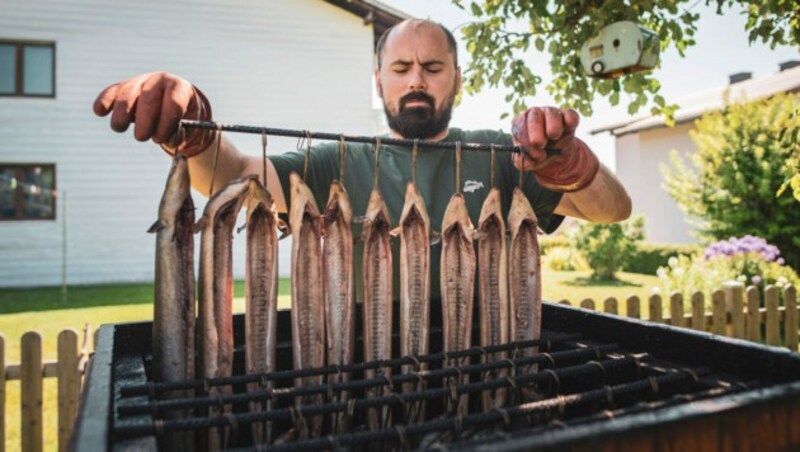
(409, 63)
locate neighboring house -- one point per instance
(304, 64)
(643, 143)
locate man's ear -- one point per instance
(458, 79)
(378, 85)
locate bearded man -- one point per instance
(417, 75)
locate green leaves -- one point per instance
(499, 41)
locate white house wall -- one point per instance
(302, 64)
(638, 157)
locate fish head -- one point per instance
(302, 201)
(457, 215)
(377, 212)
(520, 211)
(339, 202)
(492, 208)
(414, 206)
(229, 198)
(258, 196)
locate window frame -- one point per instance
(19, 74)
(19, 198)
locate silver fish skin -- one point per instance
(308, 303)
(261, 294)
(493, 287)
(457, 283)
(215, 335)
(174, 307)
(415, 287)
(525, 277)
(377, 300)
(338, 283)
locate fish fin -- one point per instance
(479, 235)
(284, 228)
(435, 237)
(200, 225)
(396, 231)
(241, 228)
(157, 226)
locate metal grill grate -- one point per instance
(592, 372)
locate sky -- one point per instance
(721, 49)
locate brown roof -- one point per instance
(694, 106)
(373, 12)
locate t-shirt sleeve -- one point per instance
(323, 167)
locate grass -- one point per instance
(42, 310)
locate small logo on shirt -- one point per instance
(472, 185)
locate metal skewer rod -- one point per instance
(353, 139)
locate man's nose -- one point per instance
(417, 81)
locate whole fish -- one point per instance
(415, 287)
(261, 294)
(337, 268)
(173, 309)
(215, 335)
(308, 304)
(377, 302)
(457, 285)
(525, 278)
(493, 286)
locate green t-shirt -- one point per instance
(436, 173)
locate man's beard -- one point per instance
(419, 122)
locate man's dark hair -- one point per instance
(451, 40)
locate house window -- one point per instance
(27, 68)
(27, 191)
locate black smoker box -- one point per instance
(603, 383)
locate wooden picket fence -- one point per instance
(736, 312)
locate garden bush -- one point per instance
(607, 247)
(648, 257)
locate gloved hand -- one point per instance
(572, 167)
(155, 103)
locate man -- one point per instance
(418, 77)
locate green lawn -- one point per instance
(42, 310)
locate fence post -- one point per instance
(656, 314)
(753, 314)
(633, 308)
(734, 295)
(676, 309)
(69, 384)
(698, 311)
(719, 312)
(2, 393)
(773, 316)
(587, 303)
(31, 391)
(565, 302)
(611, 306)
(790, 322)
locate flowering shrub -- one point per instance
(749, 260)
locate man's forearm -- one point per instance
(605, 200)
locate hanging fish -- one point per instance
(415, 287)
(493, 286)
(308, 304)
(173, 309)
(261, 295)
(377, 302)
(457, 285)
(525, 278)
(337, 269)
(215, 335)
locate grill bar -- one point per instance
(157, 388)
(394, 380)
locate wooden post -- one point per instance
(69, 384)
(698, 311)
(656, 314)
(773, 336)
(587, 303)
(791, 322)
(611, 306)
(633, 308)
(676, 309)
(734, 296)
(2, 393)
(31, 391)
(719, 312)
(565, 302)
(753, 314)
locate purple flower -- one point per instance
(780, 261)
(756, 279)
